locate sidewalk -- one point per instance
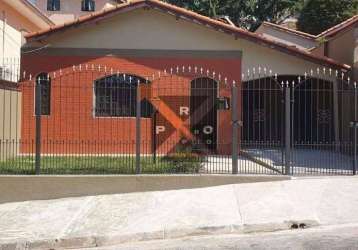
(241, 208)
(326, 237)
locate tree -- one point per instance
(205, 7)
(319, 15)
(251, 13)
(248, 14)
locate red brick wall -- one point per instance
(71, 127)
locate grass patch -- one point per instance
(80, 165)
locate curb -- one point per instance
(102, 241)
(47, 187)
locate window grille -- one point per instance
(45, 81)
(115, 96)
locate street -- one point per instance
(343, 237)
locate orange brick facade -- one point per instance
(72, 128)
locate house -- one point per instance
(97, 71)
(17, 18)
(61, 11)
(287, 36)
(338, 42)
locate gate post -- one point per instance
(235, 128)
(138, 169)
(336, 115)
(287, 129)
(355, 128)
(154, 135)
(38, 127)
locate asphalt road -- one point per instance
(343, 237)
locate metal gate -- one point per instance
(300, 125)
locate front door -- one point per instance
(203, 113)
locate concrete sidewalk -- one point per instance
(112, 219)
(341, 237)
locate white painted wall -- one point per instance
(16, 19)
(10, 41)
(10, 45)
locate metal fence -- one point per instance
(91, 120)
(10, 69)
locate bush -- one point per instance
(185, 159)
(184, 162)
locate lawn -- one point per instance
(99, 165)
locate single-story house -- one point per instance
(90, 70)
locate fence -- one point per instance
(10, 69)
(88, 120)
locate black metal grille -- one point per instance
(95, 122)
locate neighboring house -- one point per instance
(17, 18)
(148, 40)
(339, 42)
(287, 36)
(61, 11)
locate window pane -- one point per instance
(53, 5)
(116, 97)
(45, 81)
(88, 5)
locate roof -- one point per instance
(288, 30)
(331, 32)
(38, 12)
(340, 27)
(30, 12)
(190, 16)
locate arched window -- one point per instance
(115, 96)
(45, 81)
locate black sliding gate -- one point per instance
(300, 125)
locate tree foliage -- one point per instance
(245, 13)
(319, 15)
(314, 15)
